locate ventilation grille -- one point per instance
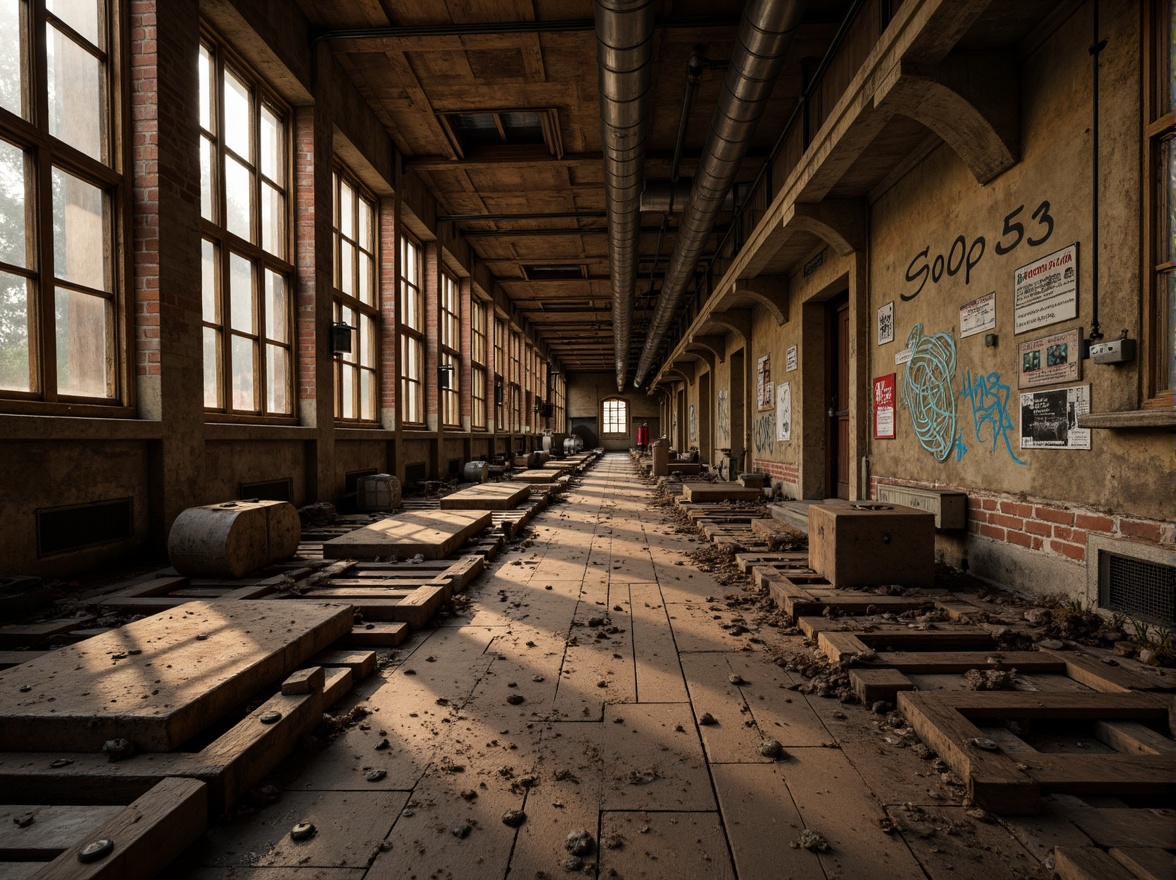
(1142, 589)
(62, 529)
(416, 473)
(269, 490)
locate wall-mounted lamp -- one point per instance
(498, 394)
(538, 405)
(341, 338)
(990, 340)
(445, 376)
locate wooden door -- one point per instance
(837, 394)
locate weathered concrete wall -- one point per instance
(359, 455)
(51, 475)
(228, 464)
(940, 240)
(586, 395)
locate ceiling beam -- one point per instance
(537, 215)
(567, 25)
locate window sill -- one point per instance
(75, 427)
(246, 431)
(1157, 417)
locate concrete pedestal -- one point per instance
(853, 545)
(661, 458)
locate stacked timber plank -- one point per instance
(431, 534)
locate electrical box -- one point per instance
(1117, 351)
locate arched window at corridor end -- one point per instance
(616, 416)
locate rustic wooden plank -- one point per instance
(148, 834)
(1015, 704)
(9, 659)
(1132, 738)
(534, 475)
(879, 684)
(1148, 863)
(42, 832)
(836, 645)
(361, 663)
(303, 681)
(433, 534)
(376, 635)
(1088, 863)
(18, 636)
(195, 663)
(958, 662)
(1123, 826)
(420, 606)
(719, 492)
(1115, 775)
(486, 496)
(993, 780)
(1103, 677)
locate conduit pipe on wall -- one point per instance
(624, 41)
(765, 32)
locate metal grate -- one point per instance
(62, 529)
(269, 490)
(1143, 589)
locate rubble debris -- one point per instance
(991, 679)
(580, 843)
(812, 841)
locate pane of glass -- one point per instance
(81, 15)
(366, 292)
(346, 207)
(277, 366)
(204, 72)
(206, 182)
(76, 94)
(367, 342)
(272, 145)
(241, 313)
(347, 267)
(238, 204)
(13, 246)
(277, 306)
(363, 235)
(212, 368)
(83, 326)
(1167, 199)
(14, 334)
(348, 395)
(367, 395)
(244, 369)
(208, 286)
(1168, 310)
(236, 133)
(11, 69)
(273, 220)
(79, 231)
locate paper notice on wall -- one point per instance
(886, 324)
(763, 381)
(1046, 290)
(1049, 419)
(784, 411)
(790, 359)
(978, 315)
(884, 404)
(902, 356)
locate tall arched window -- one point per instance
(616, 416)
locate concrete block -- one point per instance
(853, 545)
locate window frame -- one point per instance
(500, 367)
(215, 230)
(412, 336)
(28, 131)
(1159, 128)
(449, 338)
(372, 311)
(606, 419)
(478, 380)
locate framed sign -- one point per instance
(763, 381)
(1046, 290)
(1050, 360)
(978, 315)
(1049, 419)
(790, 359)
(784, 412)
(884, 403)
(886, 324)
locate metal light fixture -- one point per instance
(445, 376)
(340, 338)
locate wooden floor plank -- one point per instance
(433, 534)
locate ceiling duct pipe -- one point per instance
(664, 196)
(765, 33)
(624, 48)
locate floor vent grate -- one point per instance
(74, 527)
(1137, 587)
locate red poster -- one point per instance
(884, 405)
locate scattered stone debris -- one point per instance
(118, 749)
(812, 841)
(990, 679)
(771, 748)
(516, 699)
(642, 777)
(302, 831)
(707, 719)
(462, 831)
(580, 843)
(513, 818)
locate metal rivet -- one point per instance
(302, 831)
(271, 717)
(95, 850)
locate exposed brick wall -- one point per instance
(304, 250)
(145, 185)
(1050, 527)
(788, 474)
(389, 249)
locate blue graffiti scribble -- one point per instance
(927, 391)
(990, 408)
